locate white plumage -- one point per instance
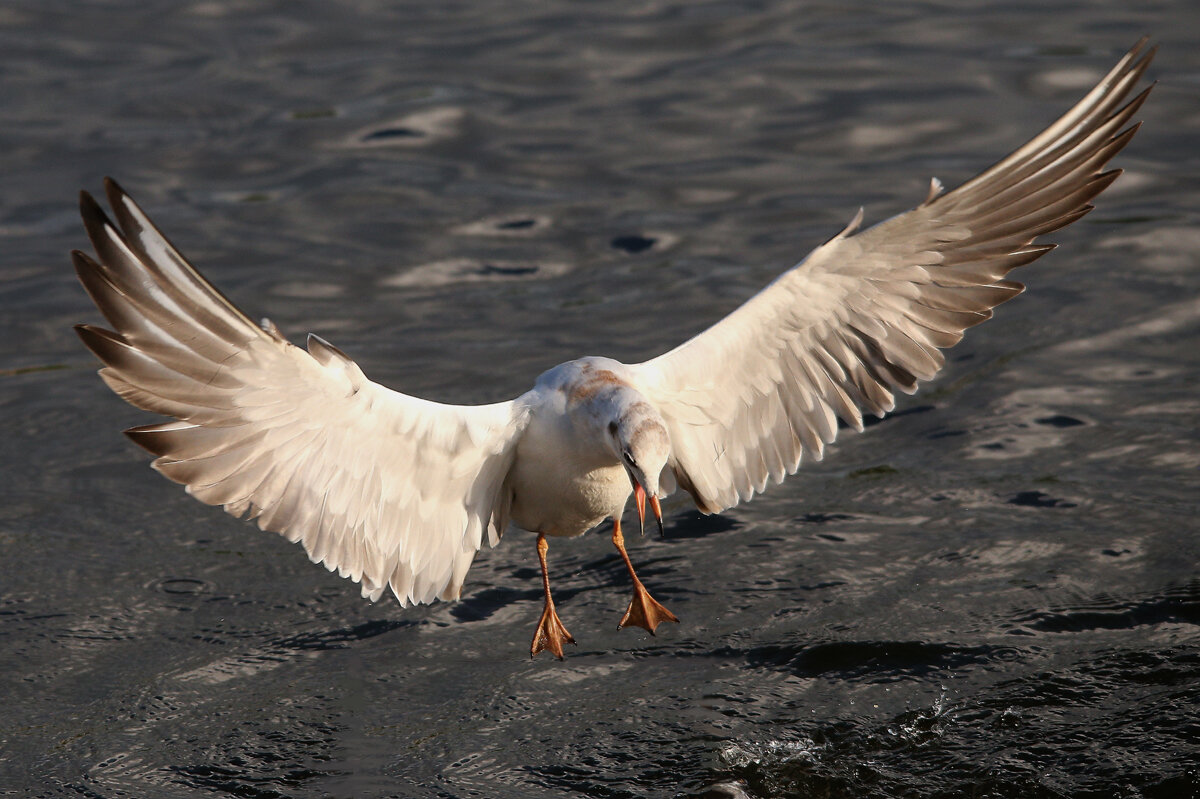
(395, 491)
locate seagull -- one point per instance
(398, 492)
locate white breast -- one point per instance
(566, 479)
(560, 486)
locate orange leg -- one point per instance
(644, 610)
(550, 633)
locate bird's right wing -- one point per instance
(386, 488)
(868, 313)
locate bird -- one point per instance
(398, 492)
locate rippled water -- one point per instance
(994, 592)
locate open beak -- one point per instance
(639, 498)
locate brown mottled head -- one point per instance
(639, 438)
(604, 406)
(591, 383)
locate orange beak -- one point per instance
(654, 506)
(639, 502)
(639, 499)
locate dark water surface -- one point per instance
(995, 592)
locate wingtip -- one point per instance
(88, 206)
(1137, 61)
(87, 329)
(81, 260)
(154, 438)
(98, 340)
(95, 220)
(113, 191)
(142, 437)
(85, 266)
(1139, 53)
(1135, 104)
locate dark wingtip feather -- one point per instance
(147, 437)
(1131, 107)
(95, 221)
(1129, 132)
(1027, 255)
(82, 262)
(89, 208)
(1061, 222)
(116, 197)
(139, 436)
(1139, 55)
(1143, 63)
(1148, 57)
(100, 341)
(88, 272)
(1097, 184)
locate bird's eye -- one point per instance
(612, 429)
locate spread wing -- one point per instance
(386, 488)
(868, 313)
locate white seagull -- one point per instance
(399, 492)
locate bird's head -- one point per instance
(638, 437)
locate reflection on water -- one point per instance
(990, 593)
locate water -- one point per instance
(992, 593)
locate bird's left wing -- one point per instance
(386, 488)
(868, 313)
